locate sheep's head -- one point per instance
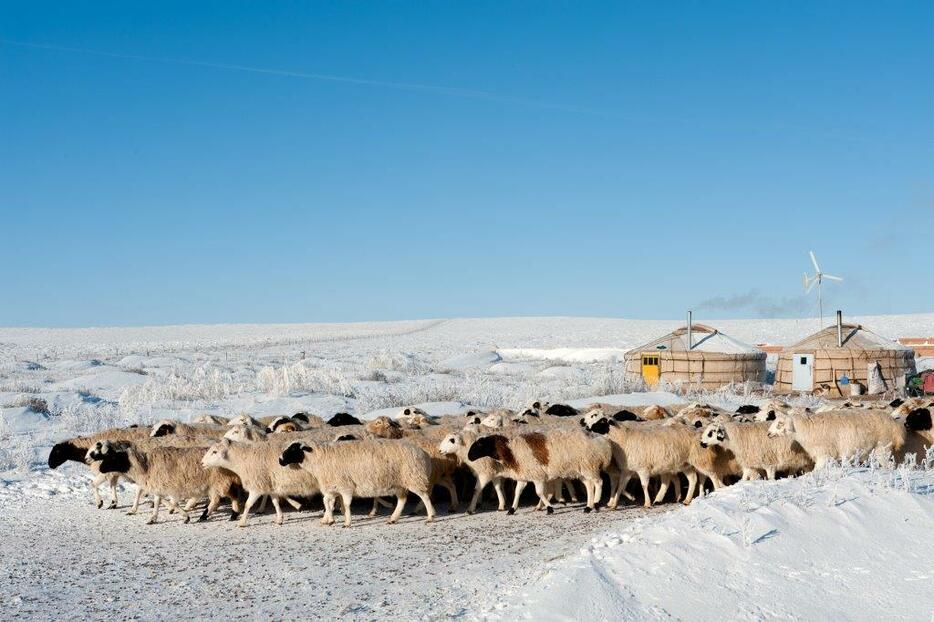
(383, 427)
(918, 420)
(217, 455)
(626, 415)
(766, 415)
(110, 459)
(655, 412)
(492, 421)
(451, 444)
(782, 426)
(473, 422)
(485, 447)
(601, 425)
(592, 417)
(243, 420)
(163, 428)
(283, 424)
(244, 434)
(345, 437)
(714, 434)
(63, 452)
(301, 418)
(294, 454)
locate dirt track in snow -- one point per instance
(99, 564)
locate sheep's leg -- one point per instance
(400, 503)
(571, 489)
(677, 482)
(750, 474)
(589, 487)
(500, 497)
(621, 483)
(597, 492)
(477, 491)
(425, 496)
(278, 507)
(346, 499)
(295, 504)
(717, 482)
(692, 484)
(663, 488)
(156, 502)
(189, 506)
(95, 488)
(183, 510)
(328, 518)
(770, 472)
(251, 500)
(262, 505)
(448, 483)
(135, 507)
(520, 486)
(701, 482)
(540, 491)
(644, 479)
(375, 509)
(213, 502)
(113, 491)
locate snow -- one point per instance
(698, 562)
(838, 544)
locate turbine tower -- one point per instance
(818, 278)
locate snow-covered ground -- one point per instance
(794, 549)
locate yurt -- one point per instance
(697, 357)
(843, 360)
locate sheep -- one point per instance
(561, 410)
(647, 450)
(166, 427)
(414, 418)
(839, 436)
(756, 450)
(341, 419)
(308, 421)
(920, 435)
(384, 427)
(485, 470)
(368, 468)
(655, 412)
(209, 420)
(542, 457)
(492, 421)
(245, 419)
(171, 472)
(283, 424)
(75, 449)
(260, 476)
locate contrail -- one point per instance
(402, 86)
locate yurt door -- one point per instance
(802, 378)
(650, 369)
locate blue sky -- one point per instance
(431, 159)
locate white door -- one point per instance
(802, 378)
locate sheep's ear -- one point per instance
(164, 429)
(307, 449)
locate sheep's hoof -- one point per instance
(549, 510)
(391, 521)
(241, 524)
(100, 504)
(430, 519)
(647, 506)
(112, 506)
(203, 518)
(131, 513)
(469, 512)
(511, 511)
(452, 510)
(587, 510)
(233, 516)
(187, 520)
(151, 521)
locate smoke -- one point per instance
(755, 301)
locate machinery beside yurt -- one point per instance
(844, 360)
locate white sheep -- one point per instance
(842, 436)
(210, 420)
(485, 470)
(257, 466)
(755, 450)
(542, 457)
(174, 473)
(245, 419)
(646, 450)
(367, 468)
(167, 427)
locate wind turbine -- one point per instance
(818, 278)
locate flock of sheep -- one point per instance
(554, 447)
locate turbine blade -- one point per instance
(814, 261)
(832, 277)
(810, 285)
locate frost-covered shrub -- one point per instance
(301, 377)
(33, 403)
(202, 384)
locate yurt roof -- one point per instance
(706, 339)
(855, 337)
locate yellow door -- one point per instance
(650, 369)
